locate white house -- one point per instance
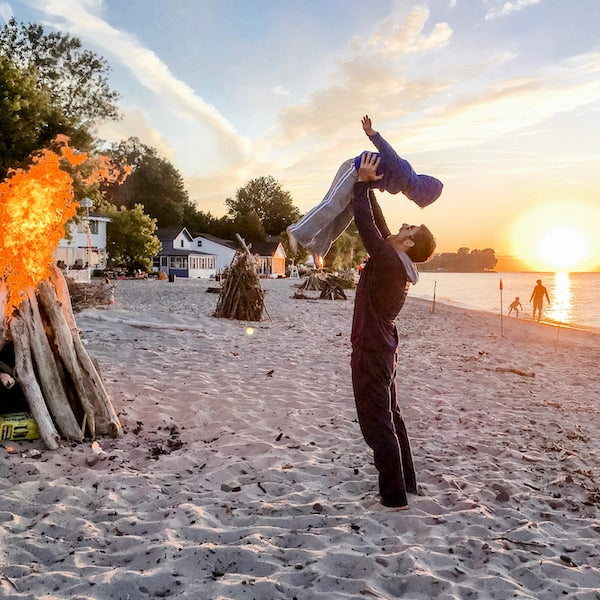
(85, 248)
(223, 250)
(179, 257)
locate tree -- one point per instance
(153, 182)
(265, 197)
(28, 121)
(197, 221)
(347, 251)
(131, 242)
(77, 79)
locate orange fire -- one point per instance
(35, 204)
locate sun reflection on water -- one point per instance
(561, 307)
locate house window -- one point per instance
(179, 262)
(199, 242)
(82, 226)
(202, 262)
(181, 243)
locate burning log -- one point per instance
(60, 383)
(38, 333)
(242, 296)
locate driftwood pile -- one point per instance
(40, 342)
(331, 287)
(94, 294)
(242, 296)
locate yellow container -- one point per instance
(18, 426)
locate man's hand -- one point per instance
(367, 126)
(367, 171)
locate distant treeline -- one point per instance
(462, 261)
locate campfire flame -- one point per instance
(35, 204)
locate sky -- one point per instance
(498, 99)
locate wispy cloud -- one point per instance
(509, 7)
(280, 91)
(5, 11)
(513, 105)
(81, 18)
(370, 75)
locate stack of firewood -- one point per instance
(331, 287)
(242, 296)
(58, 379)
(94, 294)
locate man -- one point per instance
(539, 291)
(380, 295)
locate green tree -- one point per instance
(77, 79)
(153, 182)
(347, 251)
(130, 238)
(265, 197)
(197, 221)
(28, 121)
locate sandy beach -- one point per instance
(242, 473)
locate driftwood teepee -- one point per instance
(59, 381)
(242, 296)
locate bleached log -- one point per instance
(106, 419)
(63, 296)
(26, 377)
(3, 303)
(48, 375)
(63, 340)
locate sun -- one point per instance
(558, 236)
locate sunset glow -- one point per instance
(559, 236)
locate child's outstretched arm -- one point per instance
(368, 126)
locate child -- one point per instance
(323, 224)
(516, 303)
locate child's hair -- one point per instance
(424, 246)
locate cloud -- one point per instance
(6, 12)
(394, 38)
(513, 105)
(509, 7)
(279, 91)
(135, 124)
(370, 75)
(80, 18)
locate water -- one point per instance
(574, 297)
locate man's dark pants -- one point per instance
(381, 423)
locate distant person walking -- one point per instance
(537, 296)
(515, 305)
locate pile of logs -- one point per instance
(59, 381)
(242, 296)
(330, 287)
(94, 294)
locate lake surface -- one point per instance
(574, 297)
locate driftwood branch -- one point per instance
(26, 377)
(63, 340)
(3, 303)
(49, 377)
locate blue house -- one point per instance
(179, 256)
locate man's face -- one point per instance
(405, 233)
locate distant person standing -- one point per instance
(537, 296)
(515, 305)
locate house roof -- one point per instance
(264, 248)
(182, 252)
(170, 233)
(213, 238)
